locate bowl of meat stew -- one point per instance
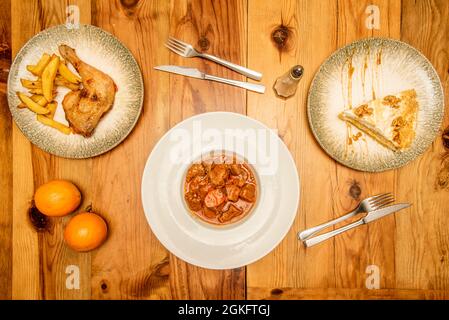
(220, 189)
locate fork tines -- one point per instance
(381, 200)
(178, 47)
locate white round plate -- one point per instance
(359, 72)
(220, 247)
(101, 50)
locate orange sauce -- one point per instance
(245, 206)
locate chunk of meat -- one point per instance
(196, 169)
(84, 108)
(214, 198)
(236, 180)
(193, 200)
(207, 166)
(248, 192)
(232, 192)
(209, 213)
(218, 174)
(236, 169)
(204, 190)
(222, 207)
(197, 183)
(232, 212)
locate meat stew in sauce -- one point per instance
(221, 189)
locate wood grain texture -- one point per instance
(423, 261)
(289, 117)
(40, 260)
(340, 264)
(218, 28)
(345, 293)
(372, 244)
(132, 264)
(6, 156)
(26, 279)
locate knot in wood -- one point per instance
(162, 270)
(39, 221)
(203, 43)
(280, 36)
(129, 6)
(355, 191)
(277, 292)
(104, 286)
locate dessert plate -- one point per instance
(362, 71)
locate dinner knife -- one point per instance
(371, 216)
(195, 73)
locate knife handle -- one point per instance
(246, 85)
(303, 235)
(242, 70)
(315, 240)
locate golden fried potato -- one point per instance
(48, 77)
(40, 66)
(33, 106)
(61, 81)
(54, 124)
(40, 92)
(68, 75)
(37, 91)
(31, 84)
(36, 98)
(52, 107)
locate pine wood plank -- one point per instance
(310, 40)
(218, 28)
(422, 234)
(40, 260)
(26, 268)
(411, 248)
(132, 264)
(372, 244)
(345, 293)
(6, 158)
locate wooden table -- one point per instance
(411, 249)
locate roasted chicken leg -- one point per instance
(84, 108)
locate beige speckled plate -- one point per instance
(379, 67)
(103, 51)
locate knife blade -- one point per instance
(377, 214)
(195, 73)
(371, 216)
(185, 71)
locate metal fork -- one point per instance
(367, 205)
(187, 51)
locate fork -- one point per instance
(188, 51)
(367, 205)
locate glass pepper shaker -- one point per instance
(285, 86)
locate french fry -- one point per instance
(36, 91)
(40, 92)
(61, 81)
(54, 124)
(31, 84)
(65, 72)
(52, 107)
(48, 77)
(33, 106)
(35, 98)
(41, 101)
(40, 66)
